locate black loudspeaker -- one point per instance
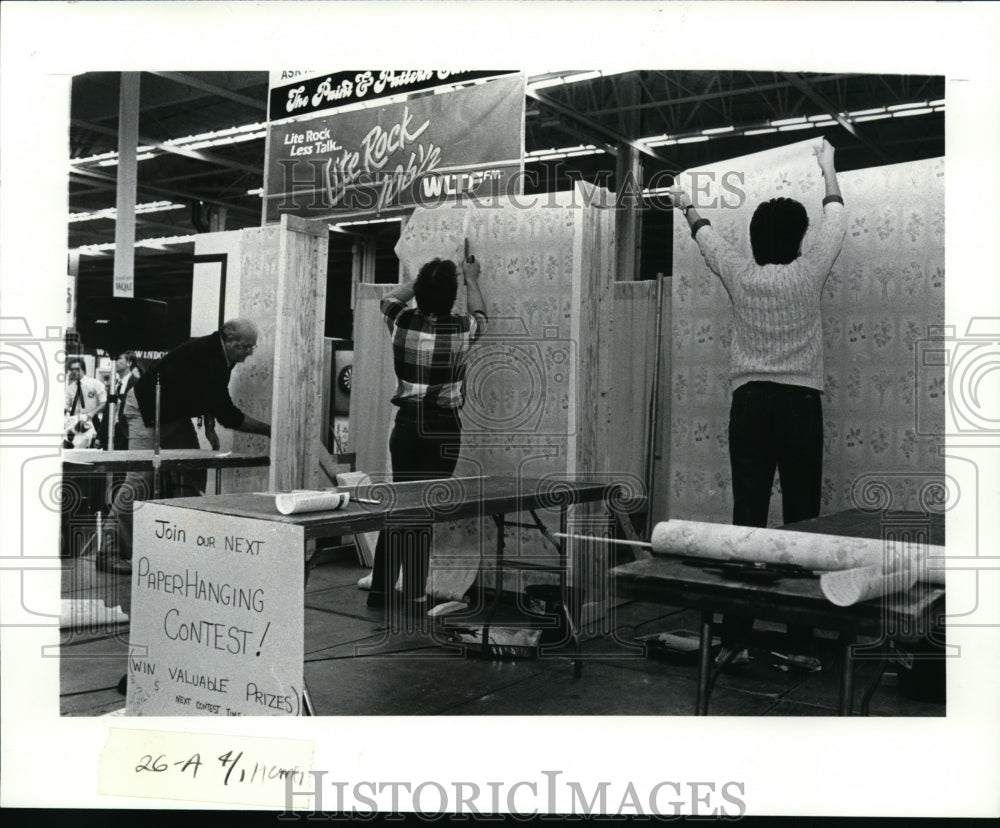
(116, 324)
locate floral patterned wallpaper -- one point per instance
(516, 420)
(884, 295)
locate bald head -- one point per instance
(239, 338)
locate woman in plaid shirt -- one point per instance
(430, 347)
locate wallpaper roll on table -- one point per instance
(851, 586)
(305, 500)
(809, 550)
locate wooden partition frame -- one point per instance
(283, 291)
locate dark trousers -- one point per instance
(773, 426)
(421, 448)
(139, 485)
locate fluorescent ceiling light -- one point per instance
(862, 120)
(112, 212)
(793, 127)
(718, 130)
(858, 113)
(363, 221)
(584, 76)
(897, 107)
(107, 247)
(907, 112)
(573, 77)
(763, 131)
(694, 139)
(111, 162)
(787, 121)
(164, 240)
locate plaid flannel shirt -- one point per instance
(430, 353)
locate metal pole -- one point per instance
(112, 416)
(156, 444)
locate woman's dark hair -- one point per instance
(776, 231)
(436, 287)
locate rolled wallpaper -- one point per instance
(814, 551)
(293, 503)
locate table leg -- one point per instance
(498, 582)
(564, 590)
(879, 671)
(704, 663)
(846, 706)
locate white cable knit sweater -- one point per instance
(778, 330)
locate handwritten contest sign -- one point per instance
(421, 151)
(216, 624)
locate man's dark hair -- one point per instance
(436, 287)
(76, 361)
(129, 357)
(776, 231)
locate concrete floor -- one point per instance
(355, 667)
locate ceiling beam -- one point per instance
(212, 89)
(698, 97)
(597, 128)
(176, 228)
(818, 98)
(154, 190)
(148, 105)
(173, 148)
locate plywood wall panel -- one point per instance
(372, 384)
(297, 392)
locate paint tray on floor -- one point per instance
(673, 643)
(504, 642)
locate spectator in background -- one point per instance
(86, 398)
(127, 373)
(194, 381)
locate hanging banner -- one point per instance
(294, 93)
(421, 151)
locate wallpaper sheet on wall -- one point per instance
(517, 418)
(882, 298)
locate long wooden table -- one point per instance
(697, 584)
(375, 506)
(90, 463)
(96, 461)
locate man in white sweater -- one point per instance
(776, 376)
